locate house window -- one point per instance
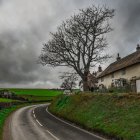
(102, 79)
(123, 71)
(112, 75)
(124, 82)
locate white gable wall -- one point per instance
(138, 86)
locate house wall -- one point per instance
(133, 71)
(138, 86)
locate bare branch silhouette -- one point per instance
(80, 41)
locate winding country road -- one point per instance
(36, 123)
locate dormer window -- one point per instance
(123, 71)
(102, 79)
(112, 75)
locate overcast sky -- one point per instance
(26, 24)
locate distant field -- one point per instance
(4, 100)
(36, 92)
(34, 95)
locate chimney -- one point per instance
(118, 57)
(138, 47)
(94, 74)
(99, 69)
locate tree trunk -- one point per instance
(85, 86)
(85, 81)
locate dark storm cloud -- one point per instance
(126, 26)
(25, 26)
(24, 31)
(131, 14)
(1, 1)
(17, 62)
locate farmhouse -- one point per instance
(6, 94)
(122, 71)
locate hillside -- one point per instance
(115, 115)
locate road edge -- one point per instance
(6, 128)
(75, 126)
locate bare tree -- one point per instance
(80, 41)
(69, 81)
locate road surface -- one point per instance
(36, 123)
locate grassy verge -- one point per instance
(115, 115)
(4, 113)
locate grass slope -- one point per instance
(113, 115)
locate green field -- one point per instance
(33, 98)
(36, 92)
(115, 115)
(33, 95)
(4, 100)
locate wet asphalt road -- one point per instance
(36, 123)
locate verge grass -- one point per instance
(114, 115)
(4, 113)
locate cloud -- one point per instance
(126, 27)
(17, 61)
(26, 25)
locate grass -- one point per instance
(33, 95)
(115, 115)
(36, 92)
(5, 100)
(33, 98)
(4, 113)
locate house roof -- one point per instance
(127, 61)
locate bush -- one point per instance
(119, 89)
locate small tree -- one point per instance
(69, 81)
(79, 43)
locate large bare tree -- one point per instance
(80, 41)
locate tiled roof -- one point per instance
(127, 61)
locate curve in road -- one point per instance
(36, 123)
